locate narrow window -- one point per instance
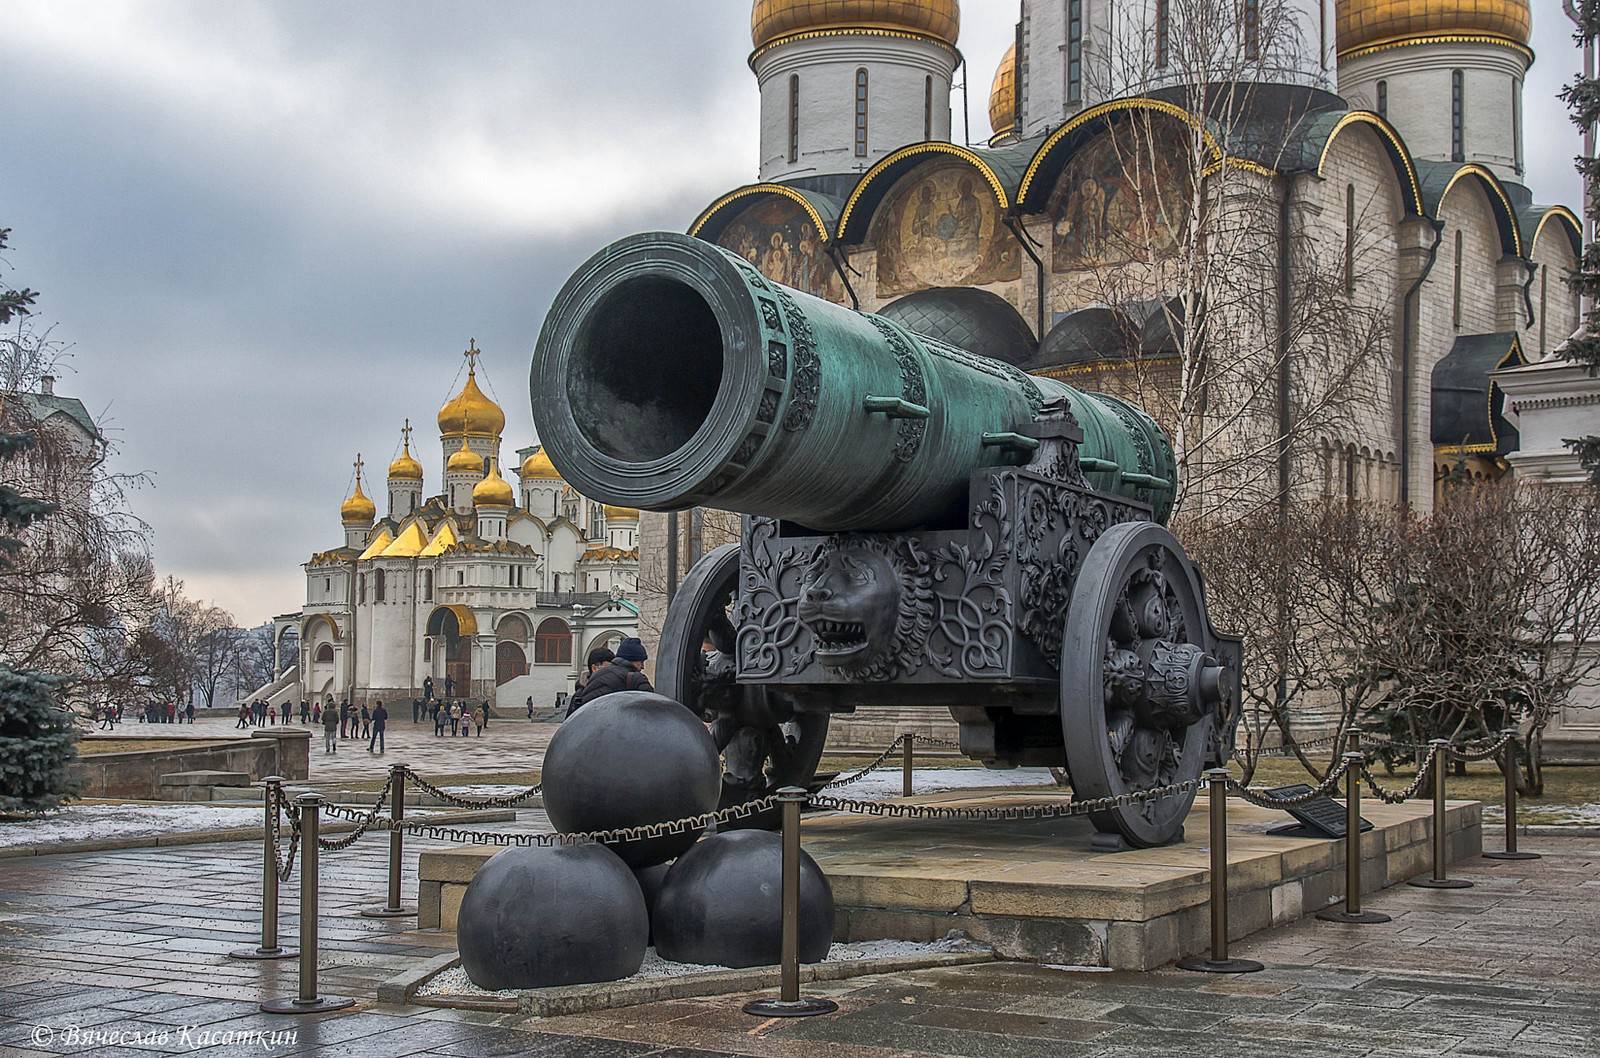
(861, 113)
(461, 577)
(427, 585)
(1252, 29)
(1350, 239)
(1458, 103)
(1457, 312)
(1383, 100)
(327, 585)
(794, 117)
(377, 586)
(927, 108)
(1074, 51)
(361, 588)
(1322, 33)
(1544, 306)
(427, 649)
(1163, 32)
(1516, 125)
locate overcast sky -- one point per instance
(269, 228)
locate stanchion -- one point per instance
(790, 1004)
(1510, 765)
(269, 947)
(1440, 748)
(307, 1002)
(397, 812)
(907, 762)
(1351, 912)
(1218, 962)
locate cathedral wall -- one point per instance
(1555, 304)
(391, 636)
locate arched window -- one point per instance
(927, 108)
(1350, 238)
(1456, 311)
(1544, 306)
(361, 588)
(377, 586)
(1516, 125)
(794, 117)
(1383, 100)
(427, 585)
(1252, 29)
(325, 654)
(427, 648)
(1458, 115)
(861, 112)
(552, 644)
(1163, 32)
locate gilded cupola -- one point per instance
(621, 514)
(1364, 23)
(471, 413)
(358, 509)
(772, 20)
(1003, 99)
(493, 490)
(405, 467)
(538, 465)
(464, 459)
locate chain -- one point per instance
(504, 801)
(363, 822)
(1263, 799)
(1485, 753)
(1048, 810)
(284, 864)
(1243, 755)
(862, 772)
(622, 834)
(1393, 798)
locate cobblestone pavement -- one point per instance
(134, 940)
(507, 744)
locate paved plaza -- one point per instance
(135, 940)
(508, 744)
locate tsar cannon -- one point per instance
(922, 527)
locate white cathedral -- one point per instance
(487, 589)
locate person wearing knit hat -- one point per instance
(621, 673)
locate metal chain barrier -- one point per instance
(862, 773)
(639, 833)
(1392, 797)
(284, 863)
(458, 801)
(1491, 750)
(1051, 810)
(371, 820)
(1263, 799)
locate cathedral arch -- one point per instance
(1439, 183)
(935, 225)
(1394, 149)
(610, 639)
(552, 643)
(324, 655)
(510, 661)
(515, 628)
(860, 209)
(785, 233)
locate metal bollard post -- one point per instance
(397, 812)
(790, 1004)
(1351, 912)
(907, 762)
(307, 1002)
(1510, 765)
(269, 947)
(1440, 749)
(1218, 962)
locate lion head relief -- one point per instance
(868, 602)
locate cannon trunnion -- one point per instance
(923, 527)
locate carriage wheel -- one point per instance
(765, 742)
(1140, 694)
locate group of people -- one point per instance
(154, 713)
(460, 717)
(348, 721)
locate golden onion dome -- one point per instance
(471, 412)
(358, 509)
(464, 458)
(405, 467)
(1362, 23)
(621, 514)
(1003, 95)
(538, 465)
(772, 20)
(493, 490)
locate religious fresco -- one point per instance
(1118, 201)
(940, 227)
(778, 237)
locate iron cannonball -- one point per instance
(563, 915)
(628, 759)
(721, 904)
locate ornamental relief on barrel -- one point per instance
(941, 227)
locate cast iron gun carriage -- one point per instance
(922, 527)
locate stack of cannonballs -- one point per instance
(575, 914)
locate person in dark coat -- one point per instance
(427, 688)
(449, 686)
(188, 712)
(344, 718)
(621, 673)
(380, 717)
(366, 722)
(330, 728)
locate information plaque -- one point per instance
(1320, 818)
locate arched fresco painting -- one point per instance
(1118, 200)
(779, 238)
(940, 227)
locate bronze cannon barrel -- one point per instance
(670, 374)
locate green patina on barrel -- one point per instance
(671, 374)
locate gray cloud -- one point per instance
(270, 227)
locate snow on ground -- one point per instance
(101, 822)
(885, 782)
(1544, 815)
(484, 790)
(454, 982)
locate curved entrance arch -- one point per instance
(453, 627)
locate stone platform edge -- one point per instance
(206, 837)
(610, 995)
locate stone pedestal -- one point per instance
(294, 750)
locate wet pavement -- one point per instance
(132, 944)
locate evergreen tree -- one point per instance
(1582, 97)
(37, 736)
